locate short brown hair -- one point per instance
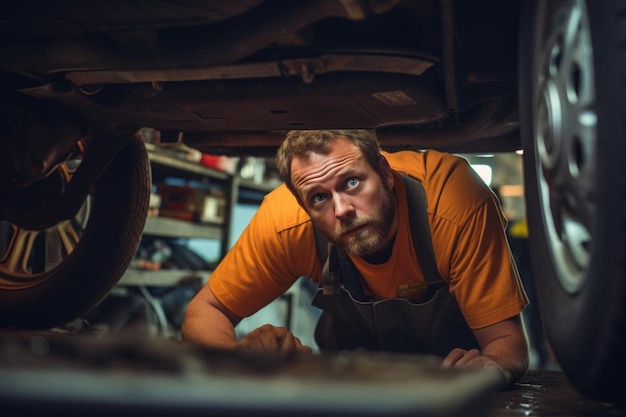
(301, 143)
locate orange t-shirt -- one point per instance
(468, 234)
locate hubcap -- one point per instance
(27, 255)
(565, 138)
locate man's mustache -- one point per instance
(349, 226)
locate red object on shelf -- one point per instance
(222, 163)
(211, 161)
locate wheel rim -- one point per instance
(565, 139)
(28, 256)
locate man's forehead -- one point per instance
(307, 175)
(338, 145)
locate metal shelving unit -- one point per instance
(165, 165)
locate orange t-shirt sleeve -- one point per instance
(272, 252)
(484, 278)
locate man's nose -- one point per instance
(343, 206)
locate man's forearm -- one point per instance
(505, 344)
(209, 328)
(511, 353)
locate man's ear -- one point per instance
(386, 173)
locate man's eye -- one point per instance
(352, 182)
(318, 198)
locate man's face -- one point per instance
(347, 199)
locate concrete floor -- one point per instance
(549, 393)
(103, 374)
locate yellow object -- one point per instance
(519, 229)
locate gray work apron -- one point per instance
(351, 321)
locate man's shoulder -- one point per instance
(453, 190)
(425, 164)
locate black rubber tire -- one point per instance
(118, 213)
(582, 294)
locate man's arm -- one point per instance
(209, 323)
(503, 344)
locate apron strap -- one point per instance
(420, 230)
(331, 283)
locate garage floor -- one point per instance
(78, 372)
(549, 393)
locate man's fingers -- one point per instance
(273, 339)
(458, 358)
(290, 344)
(461, 357)
(287, 344)
(262, 338)
(300, 348)
(452, 358)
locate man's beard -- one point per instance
(371, 240)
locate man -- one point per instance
(353, 193)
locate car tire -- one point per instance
(117, 211)
(572, 67)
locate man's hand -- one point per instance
(460, 358)
(273, 339)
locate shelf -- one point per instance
(190, 186)
(166, 227)
(162, 278)
(180, 164)
(264, 187)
